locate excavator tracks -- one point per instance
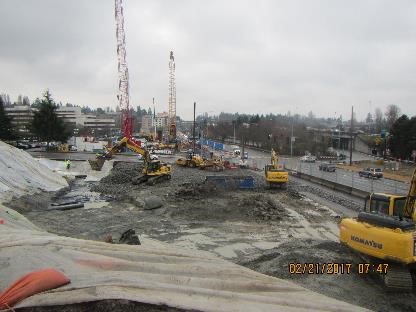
(398, 278)
(150, 180)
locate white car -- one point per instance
(153, 157)
(306, 158)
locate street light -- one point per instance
(234, 122)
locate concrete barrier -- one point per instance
(331, 185)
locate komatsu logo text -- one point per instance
(366, 242)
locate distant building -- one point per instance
(71, 115)
(22, 116)
(97, 125)
(161, 121)
(147, 124)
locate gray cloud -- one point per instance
(246, 56)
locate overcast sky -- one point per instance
(254, 56)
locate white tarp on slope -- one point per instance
(77, 168)
(151, 273)
(21, 174)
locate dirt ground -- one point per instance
(262, 229)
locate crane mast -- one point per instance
(123, 73)
(172, 99)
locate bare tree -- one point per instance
(26, 101)
(378, 120)
(392, 114)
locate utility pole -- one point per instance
(291, 139)
(234, 130)
(154, 118)
(193, 131)
(351, 136)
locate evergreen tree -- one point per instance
(402, 139)
(46, 124)
(6, 129)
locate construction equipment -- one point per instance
(172, 99)
(63, 148)
(196, 161)
(153, 170)
(123, 73)
(384, 234)
(213, 164)
(192, 160)
(275, 174)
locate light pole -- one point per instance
(291, 140)
(234, 130)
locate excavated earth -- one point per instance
(262, 229)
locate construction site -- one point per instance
(206, 226)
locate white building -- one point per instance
(147, 124)
(22, 116)
(161, 120)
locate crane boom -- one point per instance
(172, 99)
(123, 72)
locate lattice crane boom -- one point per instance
(123, 73)
(172, 99)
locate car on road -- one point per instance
(374, 173)
(327, 167)
(237, 152)
(308, 159)
(153, 157)
(23, 145)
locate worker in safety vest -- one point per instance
(67, 164)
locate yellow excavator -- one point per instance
(196, 161)
(385, 235)
(191, 160)
(153, 170)
(275, 174)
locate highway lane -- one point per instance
(350, 178)
(341, 176)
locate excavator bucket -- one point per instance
(96, 164)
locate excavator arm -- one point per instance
(411, 197)
(126, 142)
(274, 159)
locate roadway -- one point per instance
(259, 159)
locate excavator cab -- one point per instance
(153, 166)
(386, 204)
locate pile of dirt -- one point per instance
(240, 205)
(262, 208)
(122, 173)
(118, 182)
(199, 190)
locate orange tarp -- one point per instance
(30, 284)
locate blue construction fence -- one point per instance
(213, 144)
